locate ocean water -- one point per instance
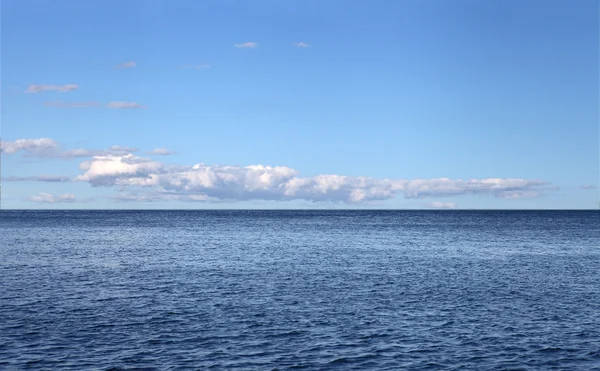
(380, 290)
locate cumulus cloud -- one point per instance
(589, 186)
(39, 178)
(71, 104)
(119, 170)
(441, 205)
(32, 147)
(124, 105)
(259, 182)
(249, 44)
(40, 88)
(161, 151)
(301, 45)
(125, 65)
(48, 198)
(118, 167)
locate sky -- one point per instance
(413, 104)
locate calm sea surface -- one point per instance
(456, 290)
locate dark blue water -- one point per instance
(456, 290)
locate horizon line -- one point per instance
(264, 209)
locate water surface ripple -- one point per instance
(381, 290)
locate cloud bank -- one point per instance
(280, 183)
(144, 179)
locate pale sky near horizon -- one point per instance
(300, 104)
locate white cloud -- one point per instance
(124, 105)
(71, 104)
(258, 182)
(33, 147)
(39, 178)
(301, 45)
(118, 167)
(125, 65)
(40, 88)
(83, 152)
(249, 44)
(161, 151)
(122, 170)
(48, 198)
(441, 205)
(45, 147)
(589, 186)
(115, 150)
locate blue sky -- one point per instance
(344, 104)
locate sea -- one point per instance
(300, 289)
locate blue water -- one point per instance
(455, 290)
